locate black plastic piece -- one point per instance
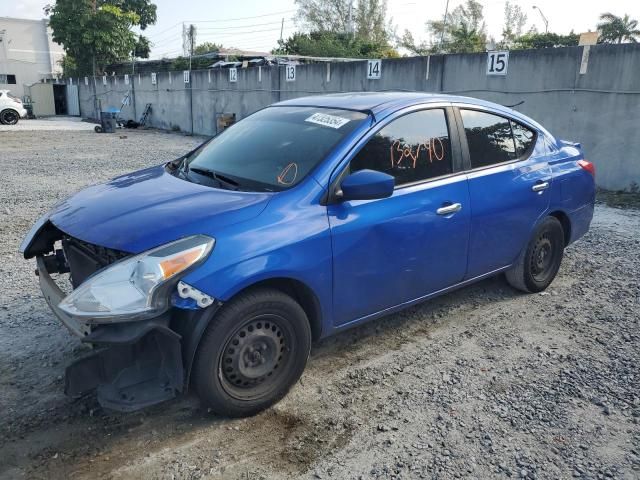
(191, 324)
(144, 369)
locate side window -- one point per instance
(412, 148)
(524, 137)
(489, 138)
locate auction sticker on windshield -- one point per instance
(331, 121)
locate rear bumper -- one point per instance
(22, 112)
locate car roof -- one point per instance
(377, 102)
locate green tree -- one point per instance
(325, 15)
(463, 30)
(615, 29)
(206, 47)
(371, 21)
(534, 39)
(95, 33)
(514, 21)
(341, 28)
(198, 62)
(329, 44)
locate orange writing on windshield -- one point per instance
(288, 174)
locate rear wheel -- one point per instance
(252, 353)
(9, 117)
(539, 263)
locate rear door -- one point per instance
(393, 250)
(509, 186)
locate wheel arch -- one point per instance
(300, 292)
(565, 221)
(295, 288)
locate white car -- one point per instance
(11, 108)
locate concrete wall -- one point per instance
(27, 51)
(599, 108)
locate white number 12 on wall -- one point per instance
(497, 63)
(374, 69)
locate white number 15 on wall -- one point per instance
(497, 63)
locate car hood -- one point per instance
(144, 209)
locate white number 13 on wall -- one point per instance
(290, 71)
(497, 63)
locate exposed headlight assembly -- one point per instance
(137, 287)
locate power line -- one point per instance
(242, 18)
(245, 26)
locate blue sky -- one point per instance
(255, 24)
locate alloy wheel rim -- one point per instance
(10, 118)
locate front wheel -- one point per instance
(539, 263)
(252, 353)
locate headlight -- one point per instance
(136, 287)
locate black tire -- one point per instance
(97, 129)
(539, 263)
(9, 117)
(253, 351)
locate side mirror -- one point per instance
(367, 185)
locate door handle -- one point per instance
(539, 187)
(447, 209)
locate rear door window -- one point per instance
(412, 148)
(524, 138)
(489, 138)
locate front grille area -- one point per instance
(84, 259)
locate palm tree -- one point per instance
(615, 29)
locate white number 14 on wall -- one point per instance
(374, 69)
(497, 63)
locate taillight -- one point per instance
(588, 166)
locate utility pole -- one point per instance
(444, 25)
(544, 19)
(281, 30)
(350, 26)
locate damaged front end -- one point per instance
(144, 329)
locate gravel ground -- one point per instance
(481, 383)
(48, 124)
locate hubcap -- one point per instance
(254, 354)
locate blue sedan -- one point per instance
(219, 269)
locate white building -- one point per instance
(27, 54)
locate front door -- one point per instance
(509, 187)
(390, 251)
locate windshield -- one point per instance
(273, 149)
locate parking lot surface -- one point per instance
(485, 382)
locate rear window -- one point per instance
(489, 137)
(275, 148)
(524, 138)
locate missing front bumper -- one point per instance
(137, 367)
